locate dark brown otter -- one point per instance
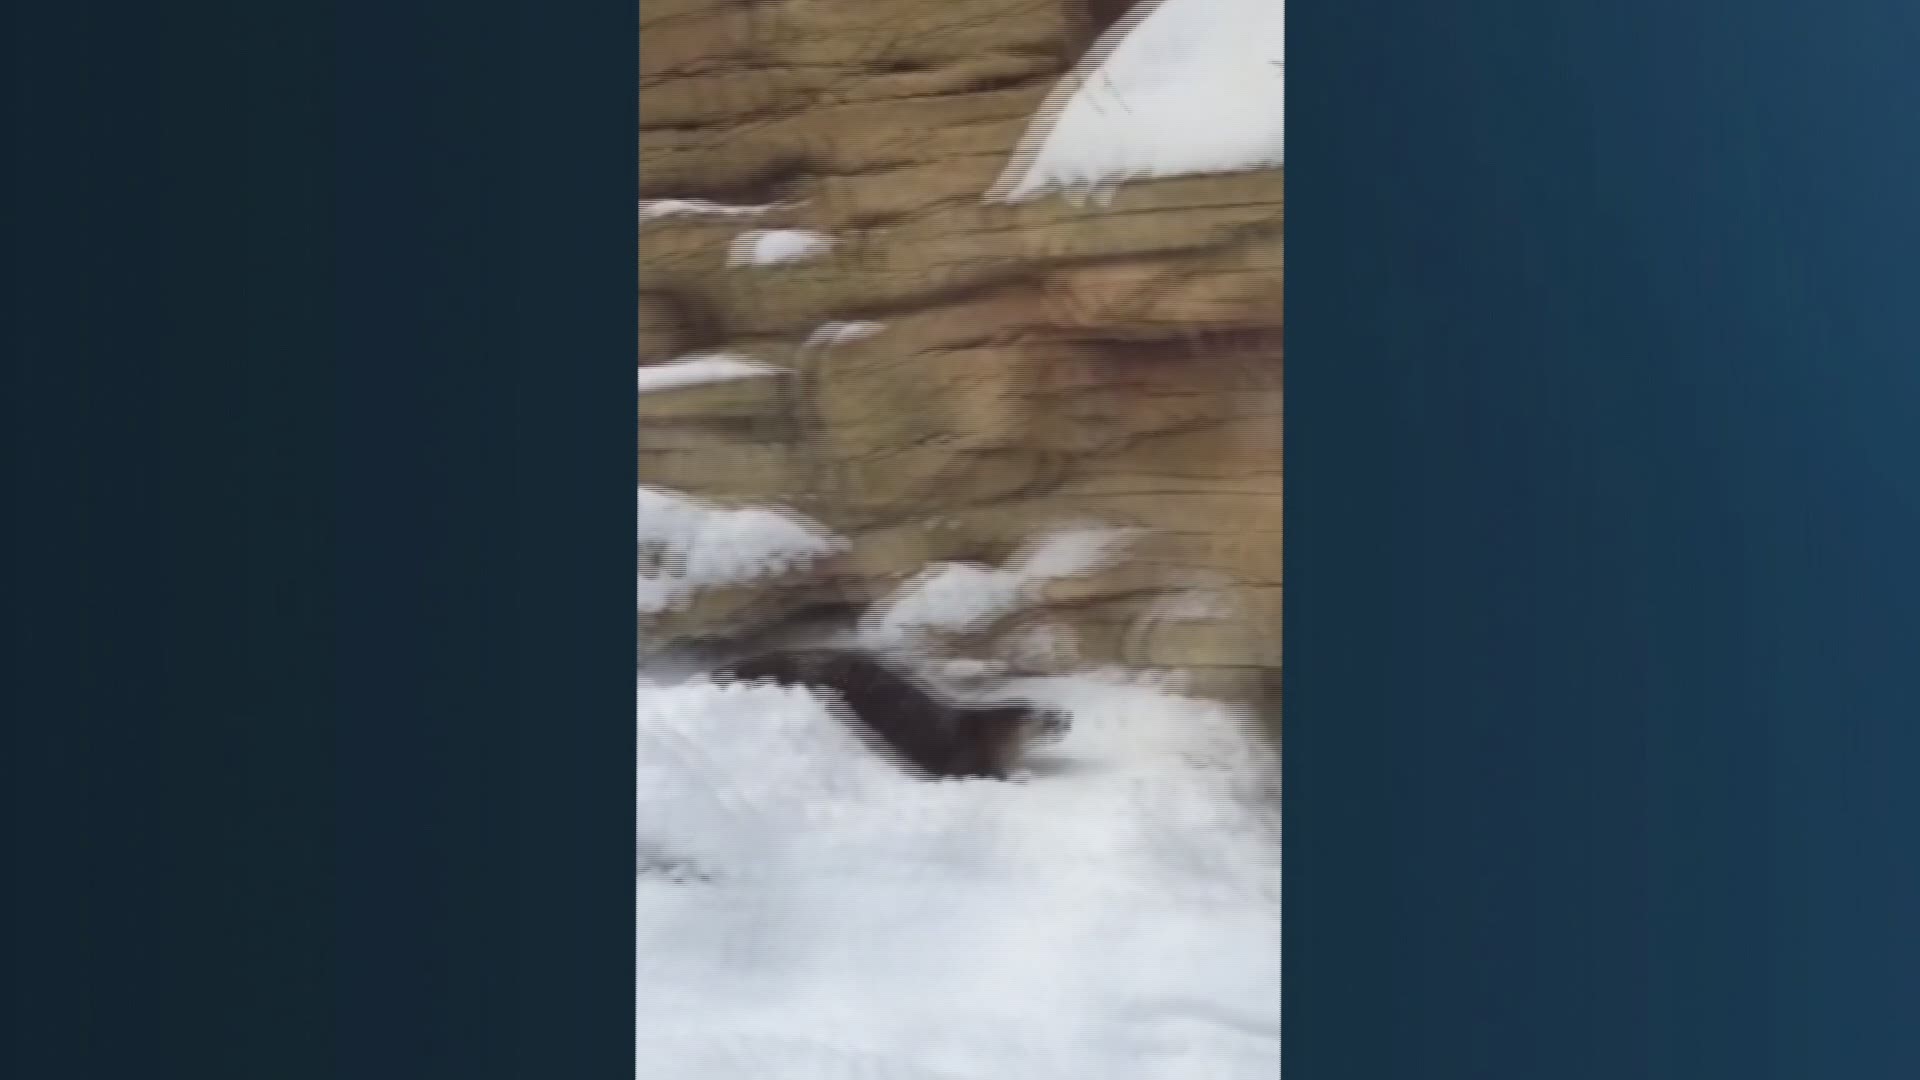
(938, 737)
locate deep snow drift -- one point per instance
(807, 911)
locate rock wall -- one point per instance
(1031, 364)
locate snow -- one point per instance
(956, 597)
(700, 368)
(807, 911)
(961, 597)
(840, 333)
(1196, 86)
(768, 247)
(1072, 552)
(687, 544)
(652, 209)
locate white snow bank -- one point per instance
(651, 209)
(701, 368)
(1195, 86)
(767, 247)
(960, 597)
(806, 910)
(687, 545)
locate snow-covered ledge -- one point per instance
(701, 369)
(1179, 87)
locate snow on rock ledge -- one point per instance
(700, 369)
(1178, 88)
(654, 209)
(842, 333)
(770, 247)
(687, 545)
(962, 597)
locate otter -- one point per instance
(939, 738)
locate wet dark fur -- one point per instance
(941, 738)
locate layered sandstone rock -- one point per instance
(1026, 364)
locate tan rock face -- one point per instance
(1040, 362)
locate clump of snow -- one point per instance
(806, 910)
(1072, 552)
(963, 676)
(955, 597)
(687, 544)
(651, 209)
(701, 368)
(840, 333)
(767, 247)
(1194, 86)
(962, 597)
